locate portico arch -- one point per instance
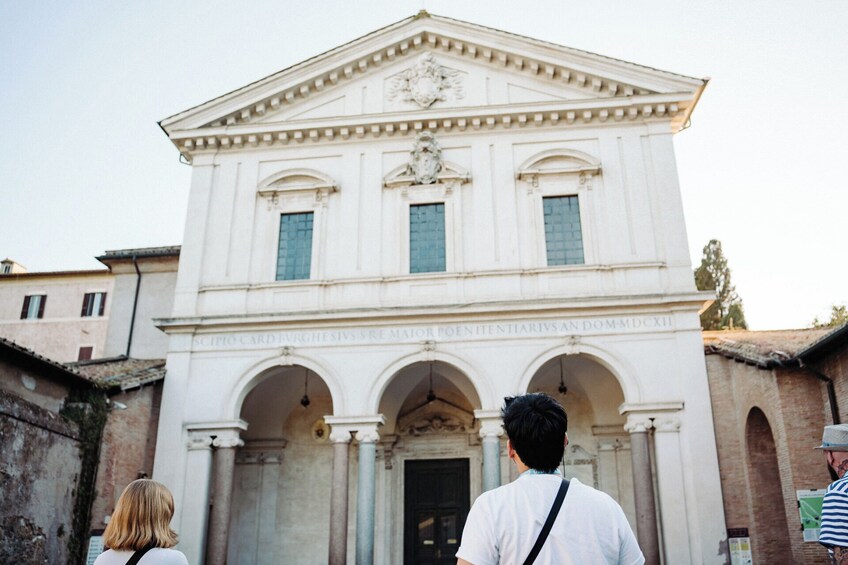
(282, 471)
(478, 388)
(623, 373)
(591, 385)
(263, 370)
(432, 450)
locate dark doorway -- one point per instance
(436, 503)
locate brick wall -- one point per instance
(793, 404)
(129, 442)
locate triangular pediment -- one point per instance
(423, 65)
(387, 91)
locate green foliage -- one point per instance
(838, 317)
(88, 409)
(714, 274)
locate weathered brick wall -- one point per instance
(835, 366)
(794, 405)
(129, 443)
(39, 469)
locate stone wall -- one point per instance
(38, 480)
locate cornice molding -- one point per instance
(490, 311)
(655, 108)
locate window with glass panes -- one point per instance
(93, 304)
(427, 238)
(563, 236)
(33, 307)
(294, 258)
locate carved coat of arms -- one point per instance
(425, 161)
(426, 82)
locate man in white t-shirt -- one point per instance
(504, 523)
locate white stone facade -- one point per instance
(515, 120)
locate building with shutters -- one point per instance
(386, 240)
(62, 315)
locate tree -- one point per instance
(714, 274)
(838, 317)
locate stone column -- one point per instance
(340, 438)
(643, 488)
(491, 430)
(223, 466)
(672, 490)
(367, 437)
(195, 510)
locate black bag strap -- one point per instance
(136, 557)
(549, 523)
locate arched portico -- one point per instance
(232, 403)
(472, 384)
(277, 468)
(606, 449)
(618, 368)
(431, 402)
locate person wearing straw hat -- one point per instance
(834, 526)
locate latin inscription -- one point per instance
(453, 332)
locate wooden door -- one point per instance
(436, 503)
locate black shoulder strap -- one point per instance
(136, 557)
(549, 523)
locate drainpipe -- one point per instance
(135, 304)
(831, 392)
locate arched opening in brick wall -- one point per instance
(769, 532)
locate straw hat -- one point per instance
(835, 438)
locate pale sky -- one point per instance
(84, 166)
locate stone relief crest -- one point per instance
(426, 82)
(425, 161)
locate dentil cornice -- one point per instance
(655, 108)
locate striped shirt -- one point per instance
(834, 524)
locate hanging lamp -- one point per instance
(562, 388)
(431, 396)
(305, 400)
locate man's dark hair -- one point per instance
(536, 425)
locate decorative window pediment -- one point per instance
(559, 162)
(426, 167)
(450, 174)
(293, 181)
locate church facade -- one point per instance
(385, 241)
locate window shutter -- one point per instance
(25, 308)
(85, 300)
(102, 303)
(41, 305)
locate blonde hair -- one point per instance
(141, 518)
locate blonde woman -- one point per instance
(139, 530)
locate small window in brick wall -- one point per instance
(85, 353)
(93, 304)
